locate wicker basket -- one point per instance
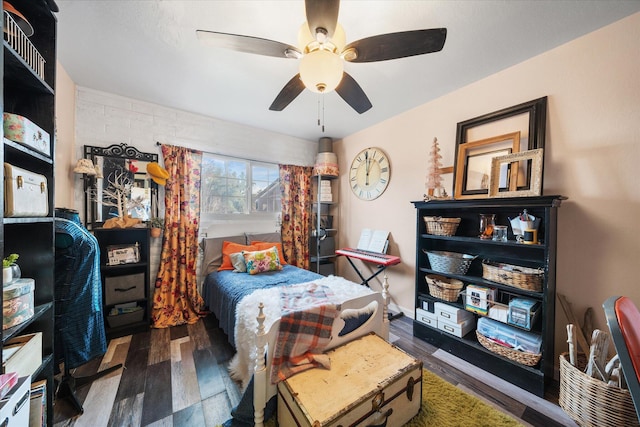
(439, 226)
(449, 262)
(443, 287)
(526, 278)
(528, 359)
(590, 401)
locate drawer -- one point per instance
(118, 289)
(459, 329)
(450, 313)
(428, 318)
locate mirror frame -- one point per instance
(537, 110)
(117, 151)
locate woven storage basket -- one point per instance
(449, 262)
(441, 226)
(526, 278)
(591, 401)
(443, 287)
(528, 359)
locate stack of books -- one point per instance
(325, 191)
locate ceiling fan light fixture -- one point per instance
(321, 71)
(308, 42)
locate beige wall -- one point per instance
(65, 139)
(592, 152)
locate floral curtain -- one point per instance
(295, 184)
(176, 300)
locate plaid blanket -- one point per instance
(305, 330)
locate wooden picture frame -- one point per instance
(473, 164)
(529, 118)
(514, 162)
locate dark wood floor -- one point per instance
(178, 377)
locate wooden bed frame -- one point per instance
(378, 323)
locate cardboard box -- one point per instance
(459, 329)
(478, 299)
(15, 407)
(450, 313)
(426, 317)
(22, 130)
(17, 302)
(23, 354)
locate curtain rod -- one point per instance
(158, 143)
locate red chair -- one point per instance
(623, 319)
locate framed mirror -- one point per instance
(528, 119)
(119, 165)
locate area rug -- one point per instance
(444, 405)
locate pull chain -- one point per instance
(321, 114)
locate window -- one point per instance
(232, 186)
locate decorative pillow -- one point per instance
(229, 248)
(267, 245)
(212, 252)
(261, 261)
(237, 260)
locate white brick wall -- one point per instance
(103, 119)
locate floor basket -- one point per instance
(524, 358)
(444, 288)
(449, 262)
(439, 226)
(526, 278)
(591, 401)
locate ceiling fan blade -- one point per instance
(322, 14)
(248, 44)
(289, 92)
(396, 45)
(352, 93)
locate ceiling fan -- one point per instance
(323, 49)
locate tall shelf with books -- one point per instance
(322, 243)
(27, 227)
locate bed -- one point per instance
(249, 308)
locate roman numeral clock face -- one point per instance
(369, 174)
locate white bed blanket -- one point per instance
(243, 362)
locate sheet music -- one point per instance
(373, 240)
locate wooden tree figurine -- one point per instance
(117, 195)
(434, 180)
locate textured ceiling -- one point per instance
(148, 50)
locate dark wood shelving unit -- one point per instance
(542, 255)
(125, 236)
(27, 94)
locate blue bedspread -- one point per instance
(223, 290)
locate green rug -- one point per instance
(444, 405)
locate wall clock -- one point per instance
(369, 173)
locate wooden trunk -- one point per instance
(370, 383)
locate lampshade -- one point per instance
(321, 71)
(326, 160)
(85, 166)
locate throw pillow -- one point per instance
(229, 248)
(261, 261)
(266, 245)
(237, 260)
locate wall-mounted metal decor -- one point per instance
(116, 164)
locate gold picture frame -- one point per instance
(513, 162)
(474, 162)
